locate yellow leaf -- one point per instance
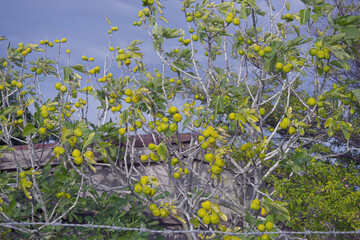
(90, 160)
(328, 121)
(108, 21)
(163, 152)
(215, 208)
(289, 111)
(256, 127)
(140, 115)
(34, 173)
(301, 131)
(164, 19)
(28, 195)
(223, 216)
(29, 102)
(143, 90)
(159, 7)
(154, 181)
(236, 229)
(92, 168)
(241, 118)
(180, 219)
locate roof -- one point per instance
(44, 152)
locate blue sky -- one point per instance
(81, 22)
(84, 25)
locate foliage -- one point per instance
(59, 187)
(323, 197)
(346, 11)
(246, 109)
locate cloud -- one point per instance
(124, 7)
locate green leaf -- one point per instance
(296, 168)
(356, 93)
(104, 144)
(134, 43)
(341, 64)
(124, 117)
(300, 155)
(299, 160)
(258, 10)
(157, 197)
(67, 72)
(315, 17)
(185, 124)
(3, 147)
(171, 33)
(287, 6)
(8, 209)
(195, 222)
(103, 152)
(304, 16)
(113, 151)
(29, 129)
(249, 219)
(336, 38)
(218, 40)
(330, 132)
(218, 104)
(155, 29)
(346, 126)
(351, 31)
(296, 41)
(339, 53)
(225, 5)
(6, 111)
(279, 207)
(297, 29)
(12, 205)
(34, 47)
(213, 29)
(151, 21)
(80, 68)
(236, 90)
(243, 13)
(330, 21)
(346, 134)
(346, 20)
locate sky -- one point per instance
(84, 25)
(81, 22)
